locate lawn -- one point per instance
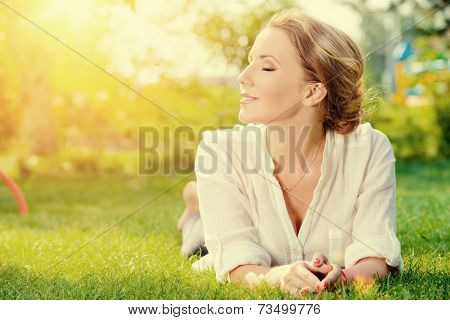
(101, 238)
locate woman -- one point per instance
(303, 196)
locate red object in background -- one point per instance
(16, 192)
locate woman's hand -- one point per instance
(297, 278)
(333, 277)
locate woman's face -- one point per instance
(274, 77)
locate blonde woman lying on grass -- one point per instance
(303, 196)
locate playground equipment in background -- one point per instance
(406, 66)
(16, 192)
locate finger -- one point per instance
(293, 285)
(324, 268)
(298, 287)
(304, 291)
(284, 282)
(291, 289)
(297, 284)
(331, 278)
(307, 276)
(318, 259)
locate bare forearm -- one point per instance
(252, 275)
(366, 269)
(249, 275)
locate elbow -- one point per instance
(234, 274)
(379, 266)
(384, 269)
(374, 266)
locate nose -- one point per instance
(243, 78)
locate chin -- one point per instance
(250, 116)
(247, 117)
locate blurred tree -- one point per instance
(426, 25)
(10, 117)
(32, 60)
(373, 35)
(431, 45)
(38, 34)
(231, 34)
(381, 33)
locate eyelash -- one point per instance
(265, 69)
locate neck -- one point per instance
(297, 142)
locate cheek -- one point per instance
(279, 91)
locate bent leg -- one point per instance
(191, 224)
(191, 202)
(193, 237)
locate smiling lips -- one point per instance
(246, 98)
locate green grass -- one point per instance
(139, 258)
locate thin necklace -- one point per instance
(314, 158)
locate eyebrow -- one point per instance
(264, 56)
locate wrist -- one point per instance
(344, 277)
(273, 276)
(347, 274)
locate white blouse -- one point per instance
(352, 214)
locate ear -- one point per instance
(316, 94)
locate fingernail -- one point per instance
(325, 285)
(317, 261)
(318, 287)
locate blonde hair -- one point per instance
(330, 56)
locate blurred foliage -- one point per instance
(417, 133)
(232, 35)
(64, 112)
(412, 131)
(373, 35)
(10, 115)
(432, 46)
(97, 127)
(407, 14)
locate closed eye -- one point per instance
(267, 69)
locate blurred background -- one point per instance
(79, 78)
(96, 97)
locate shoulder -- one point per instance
(369, 138)
(234, 141)
(231, 147)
